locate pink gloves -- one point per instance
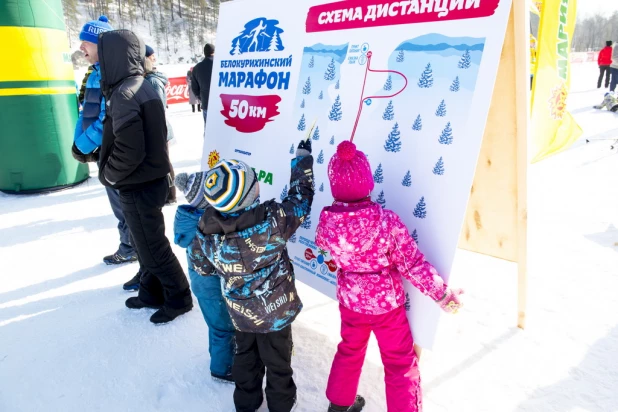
(450, 302)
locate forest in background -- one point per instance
(177, 29)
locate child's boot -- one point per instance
(358, 406)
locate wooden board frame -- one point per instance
(496, 217)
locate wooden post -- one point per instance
(496, 218)
(522, 104)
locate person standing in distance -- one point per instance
(89, 131)
(200, 79)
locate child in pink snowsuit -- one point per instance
(373, 251)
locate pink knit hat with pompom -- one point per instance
(349, 174)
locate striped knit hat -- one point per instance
(231, 186)
(193, 188)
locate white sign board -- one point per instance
(412, 80)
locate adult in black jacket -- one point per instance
(134, 159)
(200, 78)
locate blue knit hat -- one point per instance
(231, 186)
(149, 51)
(91, 30)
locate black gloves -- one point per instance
(84, 158)
(304, 148)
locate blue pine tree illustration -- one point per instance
(441, 110)
(455, 85)
(307, 87)
(465, 61)
(311, 62)
(284, 193)
(332, 140)
(439, 168)
(307, 222)
(426, 80)
(389, 84)
(320, 159)
(337, 85)
(400, 57)
(292, 149)
(302, 104)
(321, 96)
(406, 304)
(393, 141)
(316, 133)
(322, 187)
(380, 200)
(415, 236)
(292, 238)
(377, 175)
(407, 180)
(301, 124)
(420, 209)
(389, 112)
(446, 137)
(330, 71)
(336, 113)
(418, 123)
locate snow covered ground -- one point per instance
(67, 343)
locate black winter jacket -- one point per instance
(249, 251)
(200, 80)
(134, 147)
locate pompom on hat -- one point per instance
(91, 30)
(349, 173)
(193, 188)
(231, 186)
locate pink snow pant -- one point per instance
(403, 382)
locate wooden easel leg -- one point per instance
(522, 105)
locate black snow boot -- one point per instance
(133, 284)
(136, 303)
(358, 406)
(167, 314)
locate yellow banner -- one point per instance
(553, 127)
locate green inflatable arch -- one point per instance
(38, 104)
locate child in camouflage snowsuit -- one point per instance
(245, 243)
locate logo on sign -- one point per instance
(177, 90)
(213, 158)
(259, 35)
(320, 260)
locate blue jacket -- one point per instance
(89, 127)
(185, 225)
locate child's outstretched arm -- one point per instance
(198, 261)
(413, 266)
(296, 206)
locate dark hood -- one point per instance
(121, 55)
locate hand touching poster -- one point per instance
(410, 82)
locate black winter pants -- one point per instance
(257, 353)
(604, 70)
(163, 281)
